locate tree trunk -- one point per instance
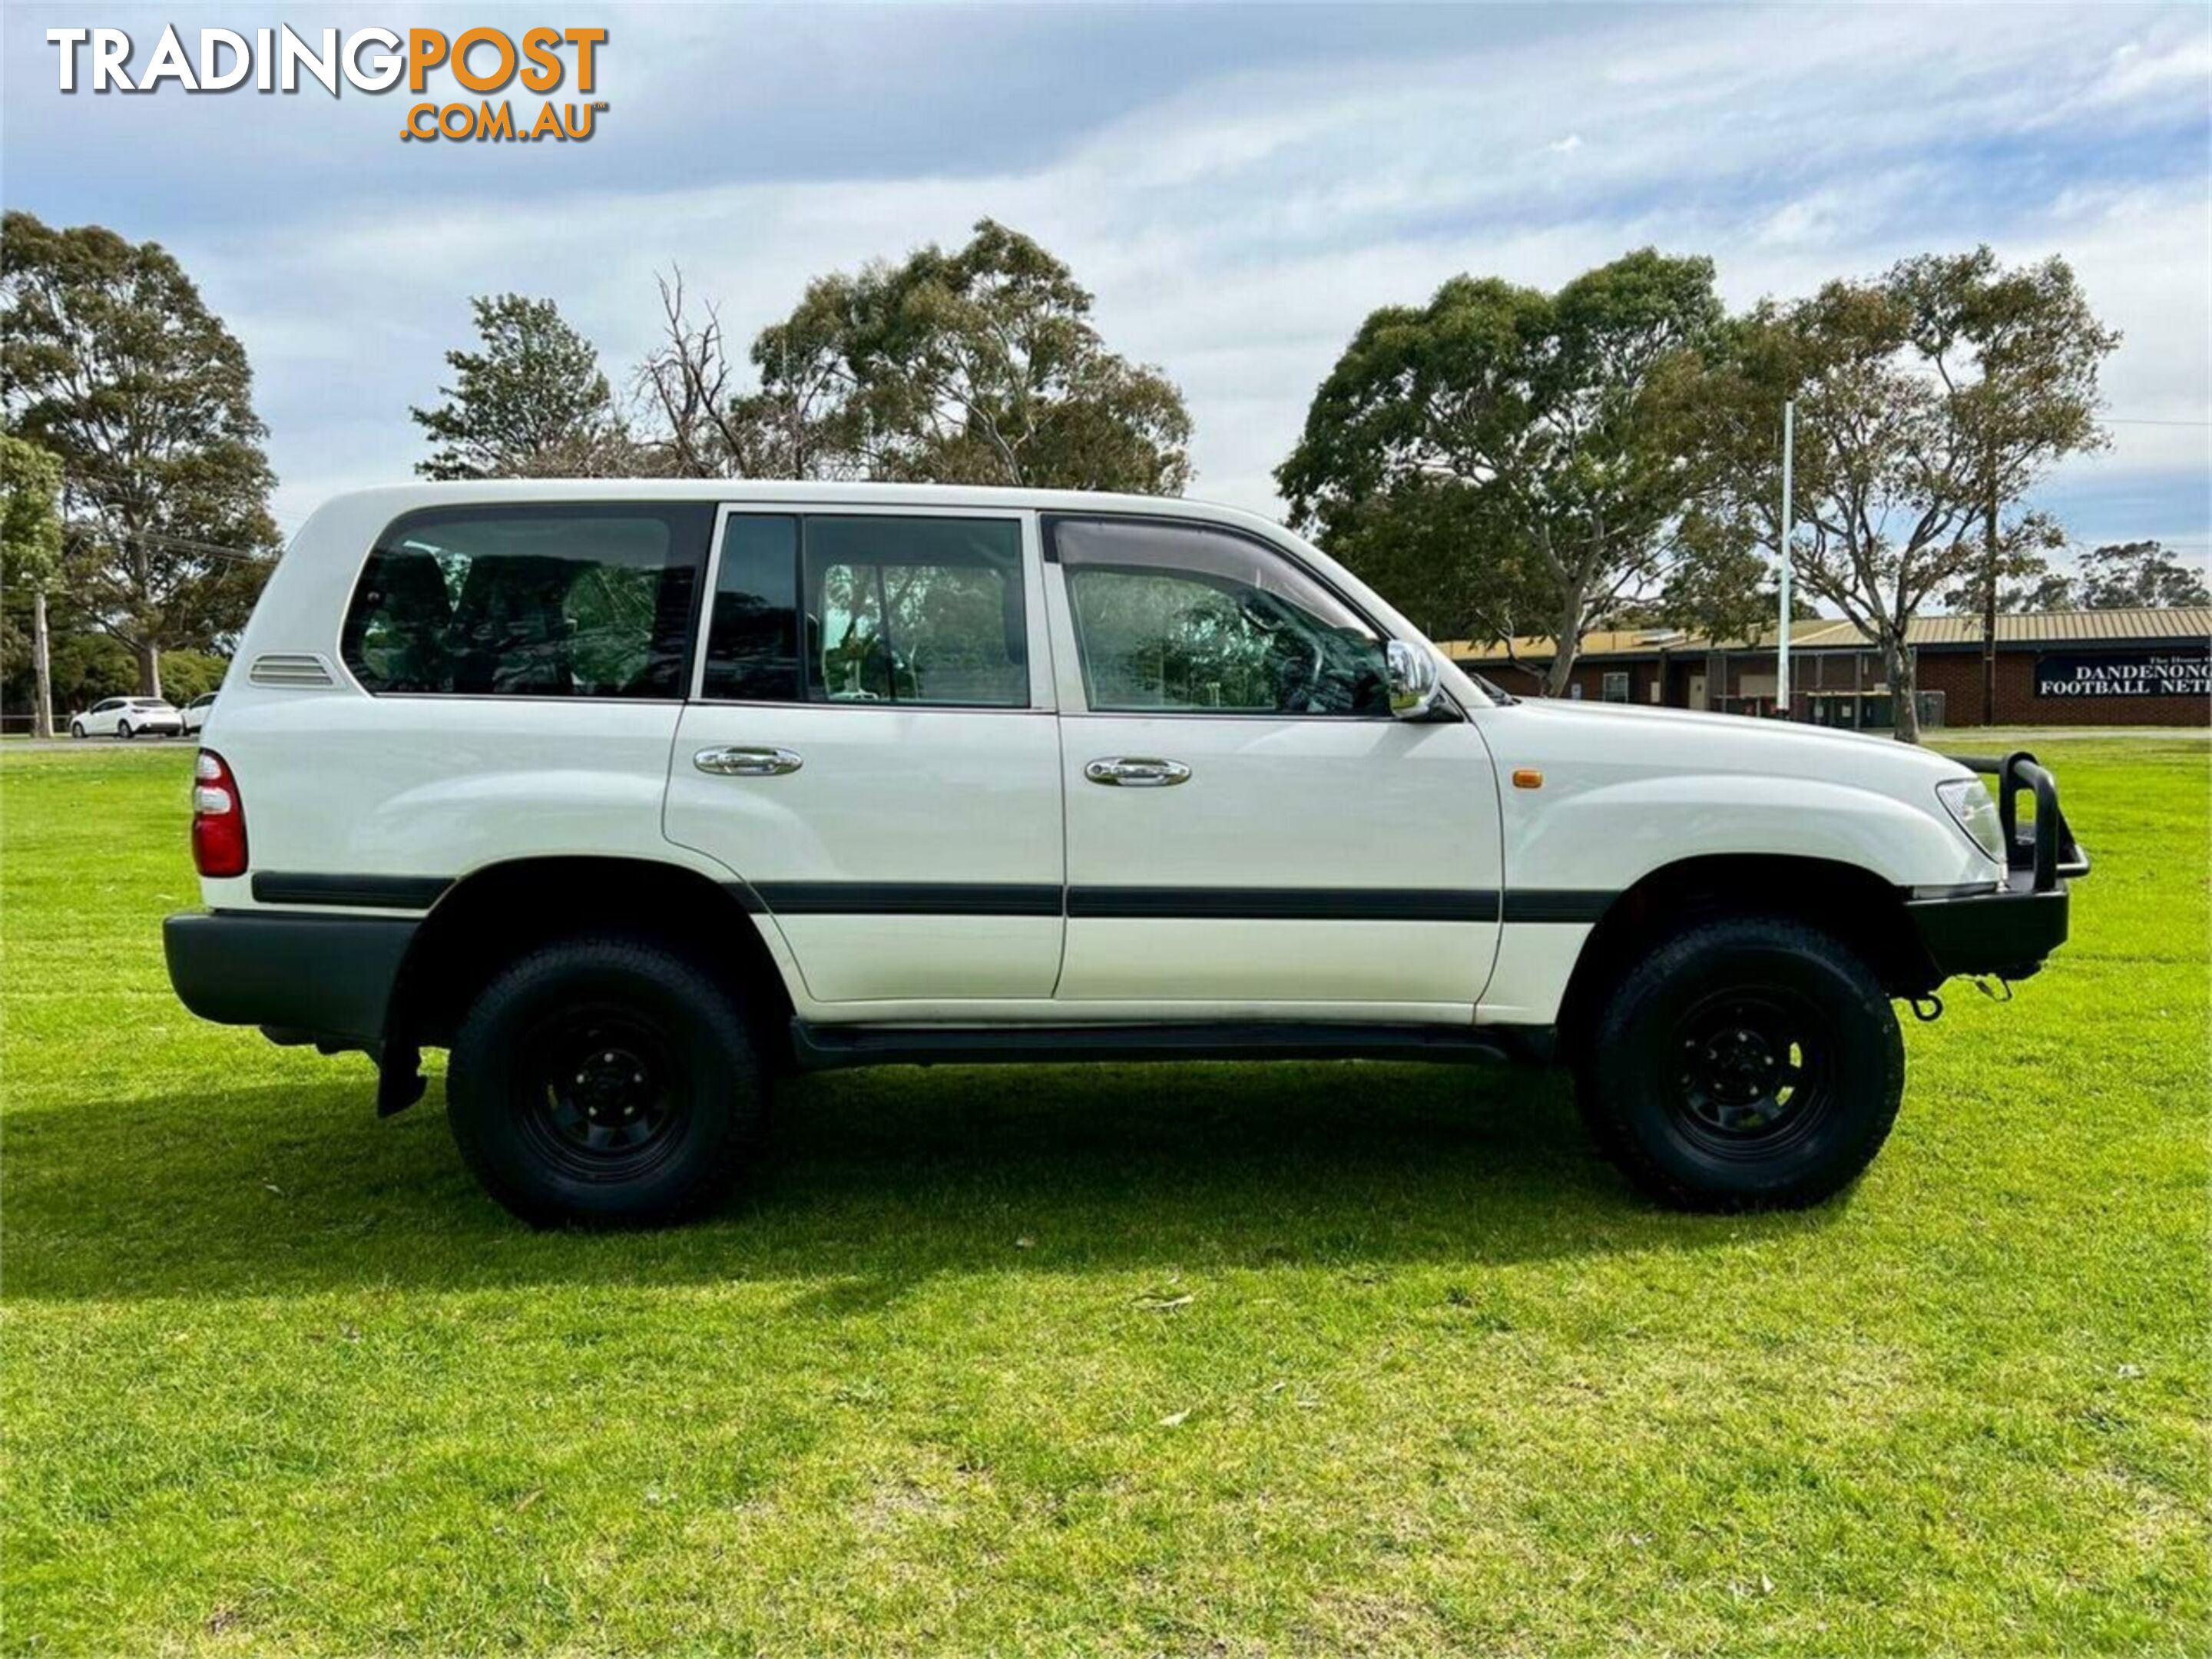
(1989, 610)
(150, 671)
(1565, 643)
(1898, 666)
(42, 705)
(1558, 676)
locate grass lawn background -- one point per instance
(1191, 1360)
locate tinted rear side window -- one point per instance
(583, 600)
(869, 609)
(753, 651)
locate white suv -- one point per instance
(633, 795)
(194, 714)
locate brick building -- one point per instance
(2055, 668)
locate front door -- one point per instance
(871, 746)
(1248, 829)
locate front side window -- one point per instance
(869, 609)
(1177, 618)
(582, 600)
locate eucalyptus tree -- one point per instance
(115, 367)
(30, 560)
(1500, 462)
(981, 365)
(1929, 401)
(2121, 574)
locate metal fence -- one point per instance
(1866, 711)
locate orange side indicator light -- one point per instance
(1527, 777)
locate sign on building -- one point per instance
(2181, 670)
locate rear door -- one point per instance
(1246, 823)
(870, 745)
(519, 667)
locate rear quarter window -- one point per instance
(560, 600)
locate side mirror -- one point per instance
(1413, 676)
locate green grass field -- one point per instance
(1223, 1360)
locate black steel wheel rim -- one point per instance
(602, 1092)
(1753, 1071)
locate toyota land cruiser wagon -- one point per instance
(636, 795)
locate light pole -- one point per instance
(1989, 603)
(42, 673)
(1789, 535)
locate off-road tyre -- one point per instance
(1746, 1063)
(605, 1081)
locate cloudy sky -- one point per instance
(1238, 185)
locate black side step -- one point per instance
(832, 1047)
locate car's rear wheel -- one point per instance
(1746, 1063)
(123, 731)
(605, 1081)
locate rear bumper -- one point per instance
(325, 977)
(2007, 934)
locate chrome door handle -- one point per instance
(735, 762)
(1137, 772)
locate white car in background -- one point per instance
(128, 717)
(194, 713)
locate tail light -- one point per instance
(218, 817)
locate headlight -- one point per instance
(1973, 810)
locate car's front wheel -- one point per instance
(1746, 1063)
(605, 1081)
(76, 729)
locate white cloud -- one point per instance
(2138, 70)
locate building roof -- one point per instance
(2070, 627)
(2186, 623)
